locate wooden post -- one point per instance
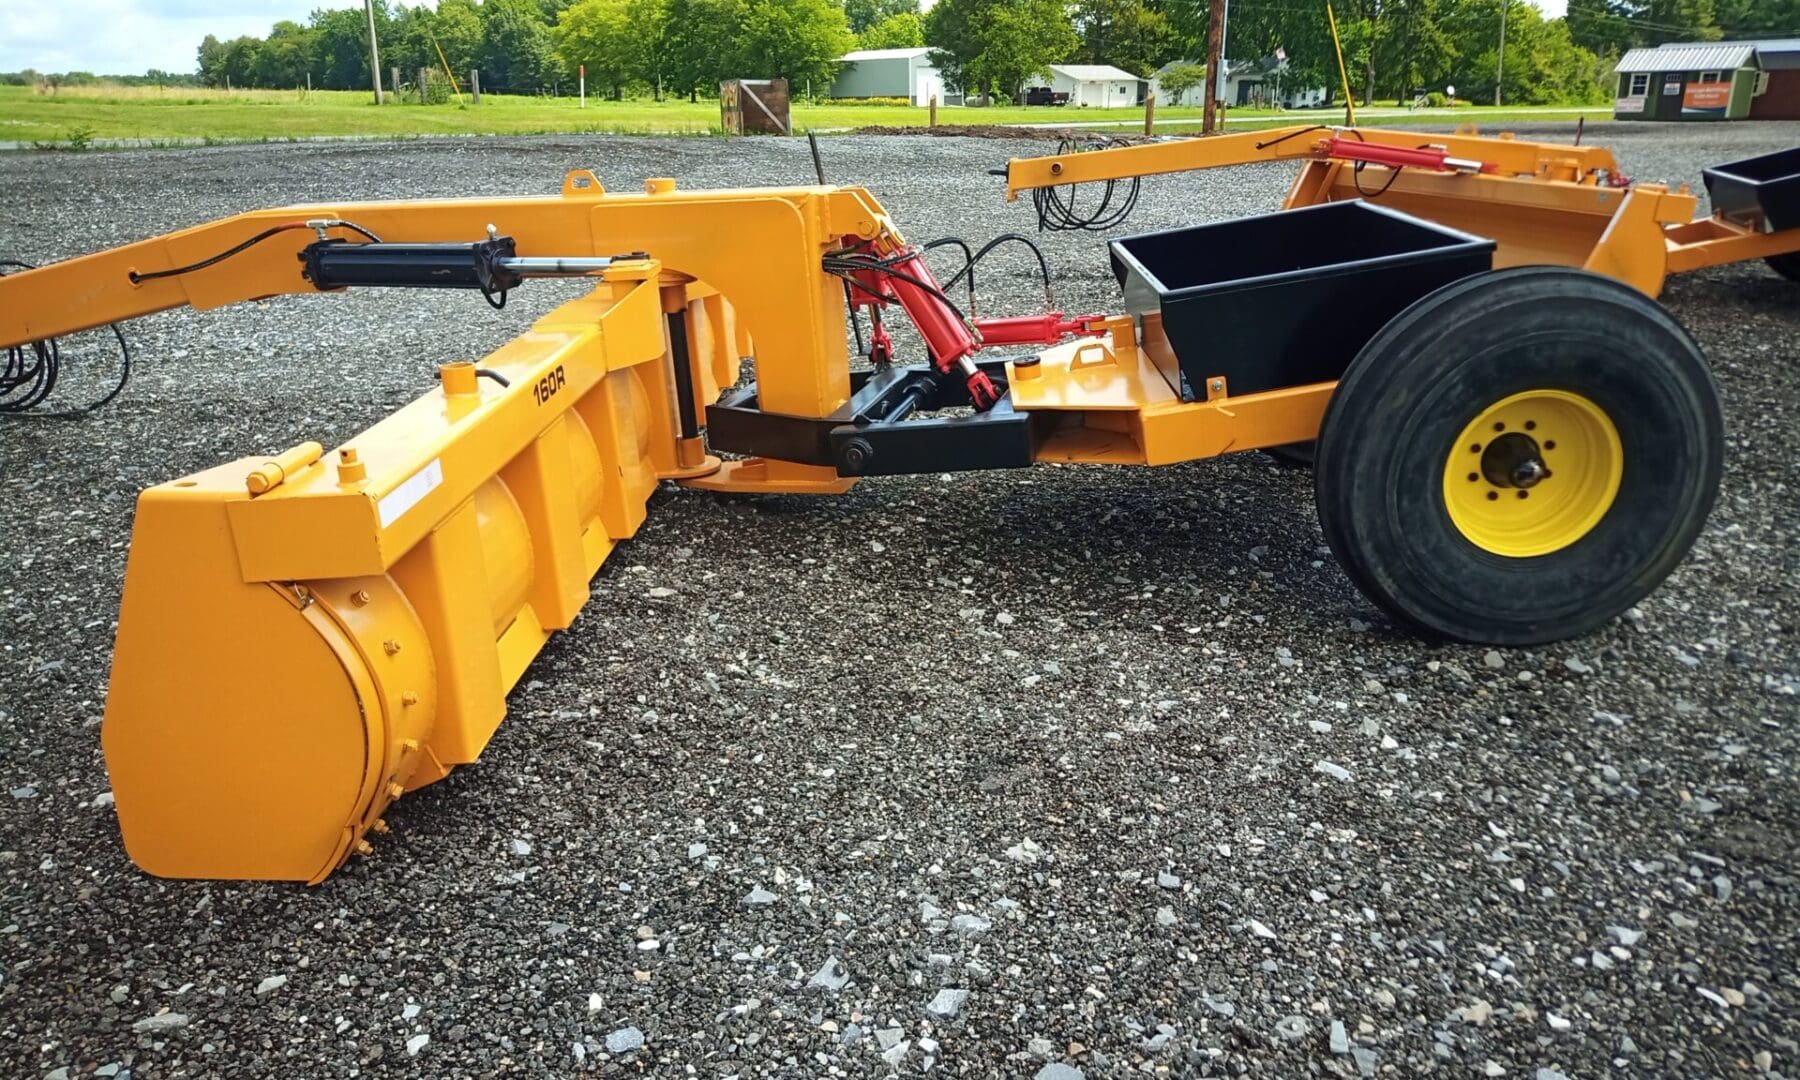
(475, 84)
(1150, 113)
(394, 79)
(934, 110)
(374, 51)
(1500, 57)
(424, 81)
(1215, 65)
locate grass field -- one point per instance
(76, 117)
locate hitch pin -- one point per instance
(271, 473)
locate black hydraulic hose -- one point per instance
(29, 373)
(239, 249)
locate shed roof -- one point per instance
(882, 54)
(1781, 54)
(1093, 72)
(1689, 56)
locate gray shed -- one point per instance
(890, 73)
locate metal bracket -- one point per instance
(879, 431)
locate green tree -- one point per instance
(1180, 78)
(798, 40)
(211, 61)
(341, 46)
(419, 33)
(600, 34)
(1544, 65)
(1258, 30)
(517, 53)
(457, 26)
(1681, 20)
(1600, 26)
(285, 56)
(1608, 26)
(1758, 18)
(238, 61)
(1414, 52)
(994, 46)
(700, 44)
(651, 18)
(901, 30)
(1135, 35)
(863, 14)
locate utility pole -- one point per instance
(1500, 67)
(374, 51)
(1215, 65)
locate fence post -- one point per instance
(934, 110)
(424, 81)
(475, 84)
(1150, 113)
(394, 79)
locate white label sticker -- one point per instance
(410, 491)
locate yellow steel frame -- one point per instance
(306, 636)
(1543, 203)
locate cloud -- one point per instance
(125, 37)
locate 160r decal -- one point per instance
(547, 386)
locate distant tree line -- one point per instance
(51, 80)
(1392, 48)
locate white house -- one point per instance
(1247, 83)
(1093, 85)
(891, 73)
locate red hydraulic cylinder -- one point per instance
(1396, 157)
(1047, 328)
(952, 343)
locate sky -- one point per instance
(120, 37)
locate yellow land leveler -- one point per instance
(1505, 455)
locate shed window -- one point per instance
(1710, 77)
(1640, 83)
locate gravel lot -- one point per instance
(1082, 769)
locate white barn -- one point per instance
(890, 73)
(1093, 85)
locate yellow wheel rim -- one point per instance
(1533, 473)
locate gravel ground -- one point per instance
(1073, 771)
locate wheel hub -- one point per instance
(1514, 460)
(1533, 473)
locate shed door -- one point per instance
(1667, 87)
(927, 84)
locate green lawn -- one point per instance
(74, 116)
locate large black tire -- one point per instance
(1406, 402)
(1788, 265)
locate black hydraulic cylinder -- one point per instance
(335, 264)
(684, 373)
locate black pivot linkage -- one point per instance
(880, 432)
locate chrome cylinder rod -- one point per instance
(550, 266)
